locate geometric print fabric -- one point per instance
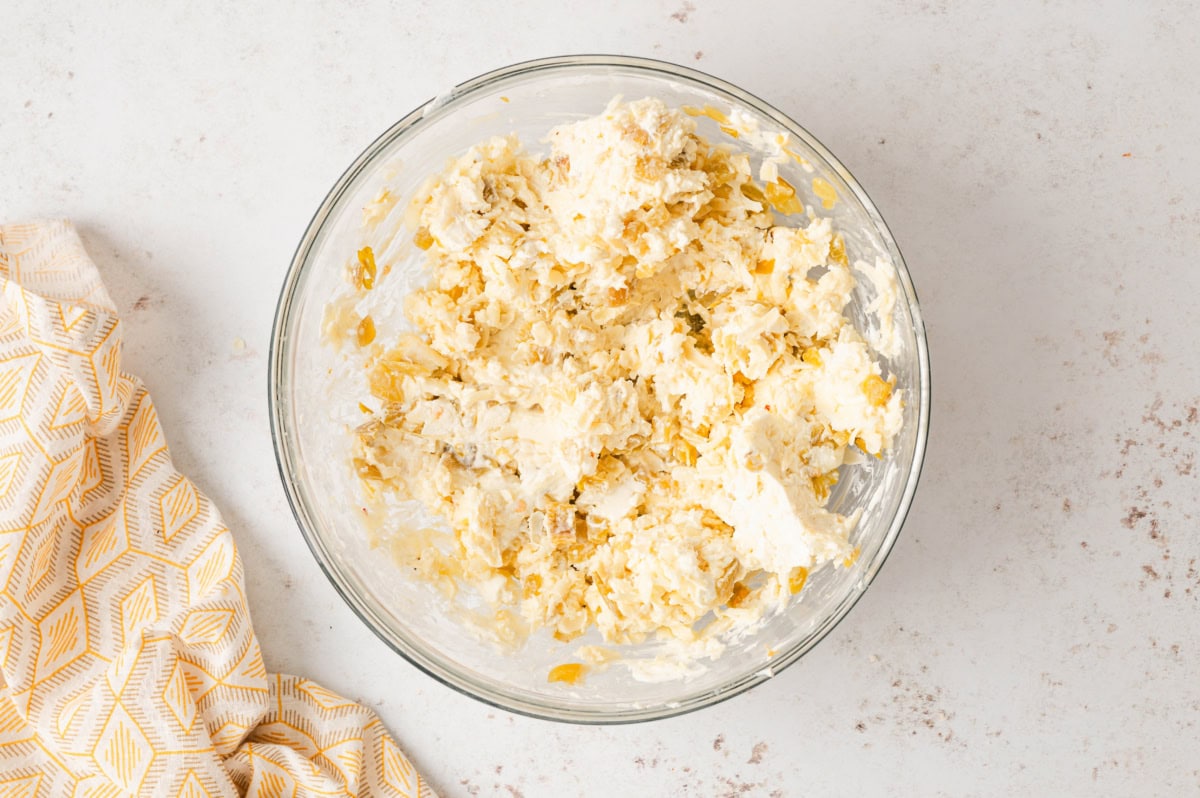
(128, 663)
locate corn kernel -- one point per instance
(364, 275)
(878, 391)
(366, 470)
(822, 483)
(753, 192)
(782, 195)
(567, 673)
(837, 250)
(797, 157)
(747, 390)
(825, 192)
(365, 333)
(636, 134)
(712, 113)
(685, 453)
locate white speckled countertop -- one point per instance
(1037, 628)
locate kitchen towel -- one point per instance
(128, 663)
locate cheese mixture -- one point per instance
(629, 383)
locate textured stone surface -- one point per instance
(1036, 628)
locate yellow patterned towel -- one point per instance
(129, 665)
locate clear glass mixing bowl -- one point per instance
(308, 414)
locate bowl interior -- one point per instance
(314, 397)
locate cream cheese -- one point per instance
(631, 383)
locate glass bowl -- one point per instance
(310, 422)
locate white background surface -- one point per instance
(1036, 630)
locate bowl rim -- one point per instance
(284, 447)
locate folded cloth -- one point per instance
(128, 664)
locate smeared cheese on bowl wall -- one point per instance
(629, 385)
